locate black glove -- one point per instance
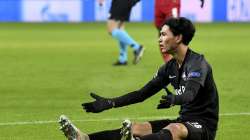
(100, 104)
(166, 100)
(133, 2)
(202, 3)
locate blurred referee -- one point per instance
(119, 13)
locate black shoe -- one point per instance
(138, 54)
(118, 63)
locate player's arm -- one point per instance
(151, 88)
(100, 104)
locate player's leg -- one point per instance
(199, 131)
(117, 30)
(73, 133)
(141, 130)
(138, 51)
(113, 27)
(119, 13)
(106, 135)
(132, 131)
(129, 131)
(122, 36)
(174, 131)
(182, 131)
(123, 56)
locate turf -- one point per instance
(50, 69)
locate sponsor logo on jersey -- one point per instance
(180, 91)
(195, 124)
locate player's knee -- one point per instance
(110, 30)
(141, 129)
(111, 26)
(178, 131)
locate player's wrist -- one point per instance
(111, 103)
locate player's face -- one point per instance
(167, 41)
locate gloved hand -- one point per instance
(133, 2)
(202, 3)
(100, 104)
(166, 100)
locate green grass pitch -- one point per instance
(49, 69)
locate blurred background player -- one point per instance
(163, 10)
(119, 13)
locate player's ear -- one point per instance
(178, 38)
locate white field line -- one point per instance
(112, 119)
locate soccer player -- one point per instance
(163, 10)
(119, 13)
(195, 92)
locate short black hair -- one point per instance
(181, 26)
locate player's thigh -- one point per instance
(198, 131)
(158, 125)
(141, 129)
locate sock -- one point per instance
(164, 134)
(106, 135)
(123, 36)
(123, 57)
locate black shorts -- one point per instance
(120, 10)
(196, 131)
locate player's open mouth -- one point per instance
(162, 49)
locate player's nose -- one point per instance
(160, 40)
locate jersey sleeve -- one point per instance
(198, 71)
(160, 76)
(148, 90)
(159, 81)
